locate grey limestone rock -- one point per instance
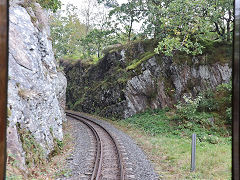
(36, 89)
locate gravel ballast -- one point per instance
(80, 162)
(141, 168)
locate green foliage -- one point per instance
(219, 101)
(210, 110)
(96, 41)
(221, 16)
(189, 120)
(109, 3)
(73, 40)
(58, 144)
(12, 159)
(171, 44)
(178, 24)
(66, 33)
(189, 22)
(63, 172)
(14, 177)
(171, 153)
(188, 109)
(53, 5)
(78, 102)
(154, 122)
(216, 51)
(229, 114)
(126, 14)
(185, 25)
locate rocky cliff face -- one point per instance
(36, 89)
(128, 80)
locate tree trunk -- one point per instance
(228, 26)
(130, 29)
(98, 51)
(220, 31)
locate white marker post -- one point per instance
(193, 157)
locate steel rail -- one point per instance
(120, 161)
(99, 154)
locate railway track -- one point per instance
(108, 159)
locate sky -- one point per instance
(81, 3)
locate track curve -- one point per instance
(108, 159)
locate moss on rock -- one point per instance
(33, 151)
(137, 62)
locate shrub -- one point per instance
(53, 5)
(218, 101)
(187, 110)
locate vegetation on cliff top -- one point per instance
(52, 5)
(178, 25)
(183, 29)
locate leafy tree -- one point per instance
(177, 24)
(71, 40)
(66, 32)
(53, 5)
(88, 13)
(153, 10)
(187, 23)
(221, 15)
(109, 3)
(96, 41)
(126, 15)
(91, 15)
